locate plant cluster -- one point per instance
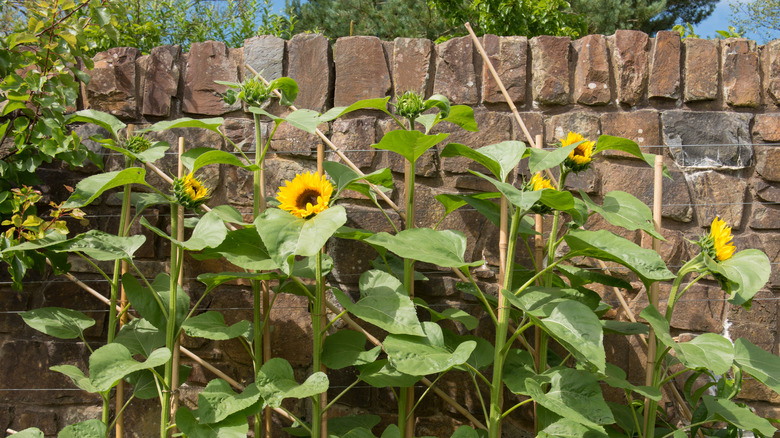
(548, 349)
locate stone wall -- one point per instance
(711, 107)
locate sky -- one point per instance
(719, 20)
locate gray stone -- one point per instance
(725, 136)
(161, 80)
(560, 125)
(716, 194)
(455, 75)
(361, 70)
(509, 55)
(265, 54)
(412, 65)
(208, 62)
(310, 61)
(765, 217)
(641, 126)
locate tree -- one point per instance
(680, 11)
(760, 17)
(607, 16)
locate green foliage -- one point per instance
(759, 17)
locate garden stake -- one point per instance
(322, 310)
(538, 255)
(180, 282)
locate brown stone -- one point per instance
(641, 126)
(767, 128)
(591, 77)
(754, 324)
(550, 64)
(765, 217)
(629, 52)
(534, 122)
(161, 80)
(509, 56)
(665, 65)
(718, 194)
(112, 86)
(12, 301)
(701, 69)
(768, 162)
(702, 308)
(638, 181)
(354, 137)
(208, 62)
(583, 123)
(456, 77)
(361, 70)
(741, 77)
(412, 65)
(494, 127)
(290, 140)
(771, 63)
(766, 191)
(310, 64)
(265, 54)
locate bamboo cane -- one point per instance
(320, 331)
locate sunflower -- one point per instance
(539, 183)
(579, 159)
(718, 244)
(535, 184)
(189, 191)
(306, 195)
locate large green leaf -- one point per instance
(481, 357)
(196, 158)
(347, 348)
(104, 120)
(88, 189)
(616, 378)
(749, 270)
(336, 112)
(214, 279)
(211, 124)
(104, 246)
(235, 426)
(112, 362)
(480, 202)
(463, 116)
(707, 351)
(276, 382)
(624, 210)
(573, 394)
(409, 144)
(84, 429)
(611, 143)
(154, 153)
(659, 324)
(140, 337)
(443, 248)
(78, 377)
(146, 383)
(541, 159)
(525, 200)
(384, 303)
(286, 236)
(350, 426)
(211, 325)
(453, 314)
(421, 356)
(381, 374)
(58, 322)
(143, 300)
(344, 177)
(604, 245)
(762, 365)
(519, 366)
(210, 232)
(575, 326)
(243, 248)
(217, 401)
(500, 159)
(468, 432)
(581, 276)
(304, 119)
(30, 432)
(541, 301)
(566, 428)
(740, 416)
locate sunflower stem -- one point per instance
(316, 325)
(259, 289)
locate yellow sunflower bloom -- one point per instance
(721, 238)
(580, 158)
(306, 195)
(540, 183)
(189, 191)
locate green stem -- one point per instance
(406, 396)
(258, 205)
(335, 399)
(483, 299)
(696, 264)
(499, 355)
(316, 328)
(170, 331)
(479, 394)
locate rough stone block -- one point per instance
(591, 77)
(767, 128)
(208, 62)
(770, 57)
(456, 77)
(702, 308)
(509, 56)
(534, 122)
(664, 78)
(641, 126)
(765, 217)
(717, 194)
(293, 141)
(629, 52)
(752, 324)
(494, 127)
(741, 77)
(412, 65)
(765, 191)
(161, 80)
(354, 137)
(112, 85)
(701, 69)
(638, 181)
(768, 162)
(361, 70)
(12, 301)
(550, 63)
(291, 325)
(265, 54)
(583, 123)
(725, 136)
(310, 64)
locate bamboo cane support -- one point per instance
(323, 308)
(180, 282)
